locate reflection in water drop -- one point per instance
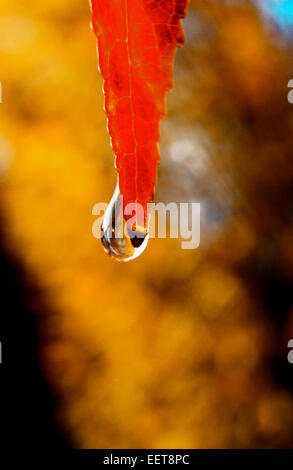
(120, 242)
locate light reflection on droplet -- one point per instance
(119, 241)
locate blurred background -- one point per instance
(178, 349)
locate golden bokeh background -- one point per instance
(178, 349)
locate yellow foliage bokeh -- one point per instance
(169, 351)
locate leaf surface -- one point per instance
(137, 40)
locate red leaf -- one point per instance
(137, 41)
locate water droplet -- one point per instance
(120, 242)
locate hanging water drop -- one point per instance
(119, 240)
